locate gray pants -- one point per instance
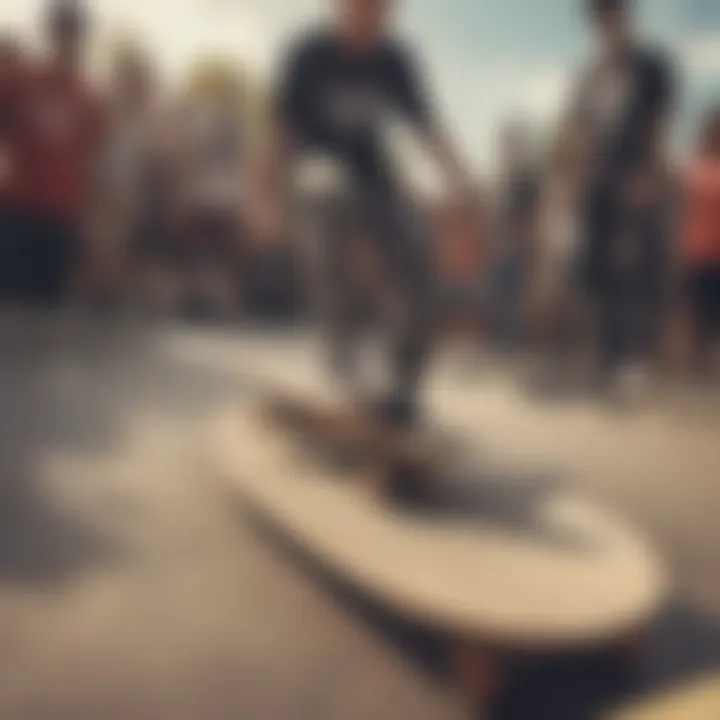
(399, 238)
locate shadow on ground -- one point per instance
(70, 391)
(571, 686)
(472, 492)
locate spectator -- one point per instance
(462, 248)
(621, 110)
(135, 176)
(554, 287)
(54, 137)
(700, 245)
(213, 176)
(636, 284)
(514, 239)
(11, 69)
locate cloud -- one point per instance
(484, 98)
(477, 101)
(178, 31)
(699, 14)
(700, 53)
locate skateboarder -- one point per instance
(337, 87)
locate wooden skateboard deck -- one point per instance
(531, 568)
(543, 571)
(534, 567)
(560, 572)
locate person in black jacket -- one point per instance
(622, 106)
(338, 87)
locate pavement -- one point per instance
(134, 586)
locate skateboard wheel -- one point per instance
(478, 674)
(628, 651)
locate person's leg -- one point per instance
(193, 257)
(239, 268)
(634, 317)
(37, 259)
(32, 261)
(505, 302)
(619, 304)
(702, 311)
(650, 313)
(630, 333)
(59, 264)
(599, 278)
(405, 237)
(714, 321)
(10, 231)
(645, 276)
(217, 267)
(337, 223)
(654, 311)
(610, 320)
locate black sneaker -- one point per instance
(397, 412)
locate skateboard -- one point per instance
(529, 570)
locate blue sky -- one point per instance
(488, 60)
(495, 59)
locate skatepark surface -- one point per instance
(133, 585)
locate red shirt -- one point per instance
(10, 82)
(701, 230)
(55, 131)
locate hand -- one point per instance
(466, 199)
(266, 220)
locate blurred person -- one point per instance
(55, 136)
(514, 238)
(637, 278)
(700, 248)
(338, 85)
(554, 283)
(12, 66)
(132, 238)
(213, 175)
(622, 108)
(273, 290)
(163, 262)
(144, 165)
(462, 242)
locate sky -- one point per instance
(486, 60)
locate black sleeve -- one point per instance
(408, 89)
(292, 79)
(660, 85)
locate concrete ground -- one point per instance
(133, 586)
